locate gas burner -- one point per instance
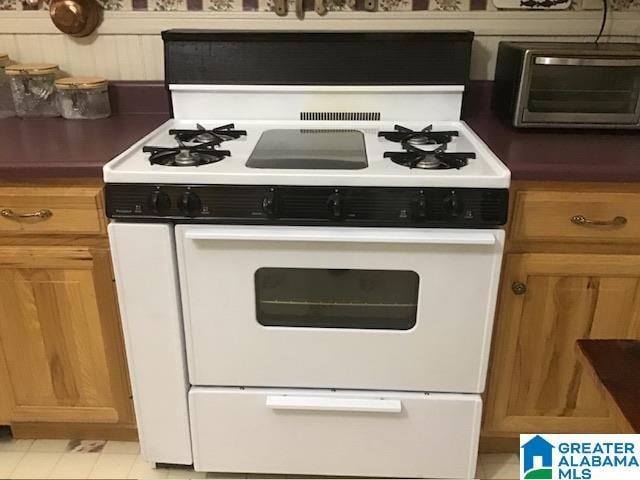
(202, 135)
(186, 156)
(426, 136)
(437, 159)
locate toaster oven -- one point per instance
(573, 85)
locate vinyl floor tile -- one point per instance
(11, 445)
(36, 465)
(112, 466)
(142, 470)
(501, 471)
(74, 465)
(49, 446)
(8, 462)
(184, 473)
(128, 448)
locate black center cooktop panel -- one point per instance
(309, 150)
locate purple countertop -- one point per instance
(33, 148)
(554, 155)
(561, 156)
(54, 147)
(42, 147)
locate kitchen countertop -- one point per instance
(53, 147)
(553, 154)
(33, 148)
(593, 156)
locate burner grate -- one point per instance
(202, 135)
(426, 136)
(437, 159)
(186, 155)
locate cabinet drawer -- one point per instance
(321, 432)
(576, 217)
(51, 210)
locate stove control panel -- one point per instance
(287, 205)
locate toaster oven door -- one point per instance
(581, 91)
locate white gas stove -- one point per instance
(485, 170)
(307, 272)
(253, 110)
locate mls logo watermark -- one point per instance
(580, 457)
(536, 458)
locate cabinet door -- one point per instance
(547, 302)
(60, 336)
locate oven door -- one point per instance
(361, 308)
(581, 91)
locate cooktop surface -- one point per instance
(309, 149)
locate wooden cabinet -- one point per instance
(548, 301)
(62, 365)
(561, 281)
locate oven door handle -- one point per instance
(343, 234)
(333, 404)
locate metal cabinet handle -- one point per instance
(519, 288)
(588, 62)
(582, 220)
(42, 214)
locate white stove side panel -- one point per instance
(146, 280)
(286, 102)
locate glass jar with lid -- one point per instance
(6, 101)
(33, 89)
(83, 97)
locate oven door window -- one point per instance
(584, 89)
(336, 298)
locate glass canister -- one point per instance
(83, 97)
(33, 89)
(6, 101)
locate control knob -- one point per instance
(453, 206)
(159, 202)
(335, 205)
(190, 204)
(269, 203)
(420, 206)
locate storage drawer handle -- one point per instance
(333, 404)
(582, 220)
(42, 214)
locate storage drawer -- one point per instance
(51, 210)
(576, 217)
(323, 432)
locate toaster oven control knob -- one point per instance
(269, 203)
(420, 206)
(159, 202)
(453, 206)
(335, 205)
(190, 204)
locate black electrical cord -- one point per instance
(605, 4)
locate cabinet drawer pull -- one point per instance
(582, 220)
(40, 214)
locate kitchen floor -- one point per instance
(97, 459)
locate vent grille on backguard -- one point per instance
(339, 116)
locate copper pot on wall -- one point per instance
(77, 18)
